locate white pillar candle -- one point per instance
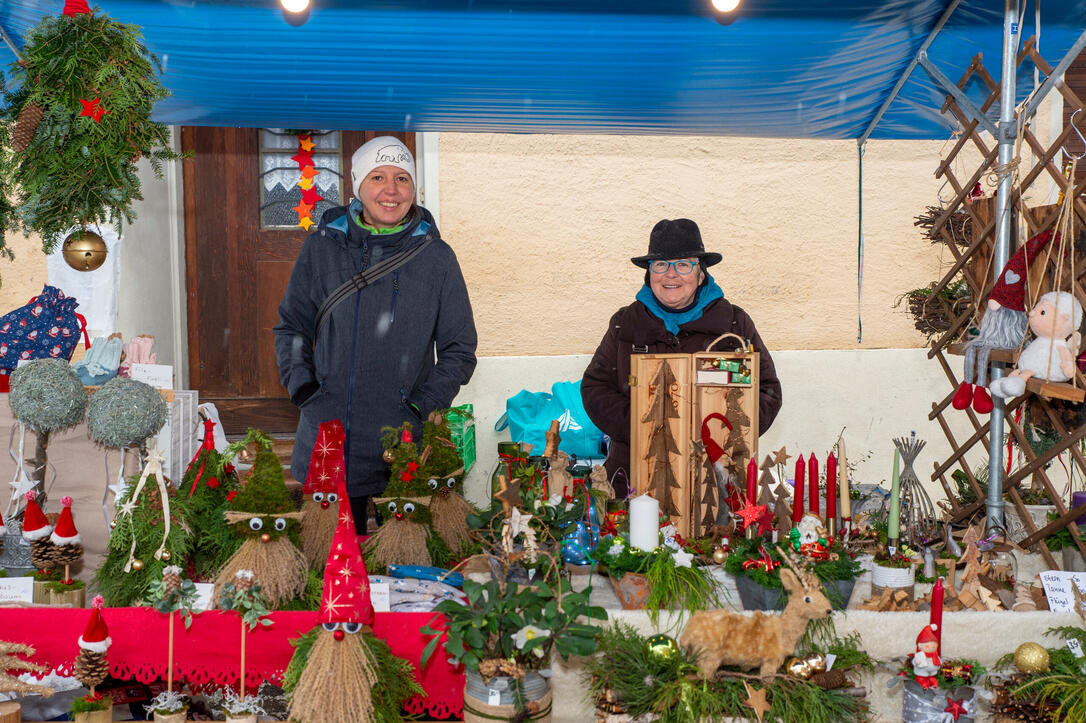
(644, 523)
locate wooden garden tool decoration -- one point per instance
(661, 445)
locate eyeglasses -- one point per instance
(682, 266)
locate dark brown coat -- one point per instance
(605, 388)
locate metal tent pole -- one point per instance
(1007, 132)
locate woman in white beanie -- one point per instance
(375, 328)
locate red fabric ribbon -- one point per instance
(207, 444)
(765, 561)
(510, 459)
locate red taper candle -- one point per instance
(752, 482)
(831, 487)
(797, 500)
(937, 611)
(812, 474)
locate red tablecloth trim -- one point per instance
(209, 651)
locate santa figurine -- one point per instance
(1003, 325)
(926, 660)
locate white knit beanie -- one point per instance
(381, 151)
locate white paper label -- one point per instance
(16, 589)
(380, 597)
(204, 593)
(495, 697)
(1057, 584)
(830, 657)
(159, 376)
(1075, 647)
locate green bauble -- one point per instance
(663, 646)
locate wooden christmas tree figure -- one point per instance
(707, 513)
(661, 444)
(37, 531)
(91, 666)
(11, 665)
(782, 511)
(735, 443)
(320, 511)
(149, 533)
(207, 483)
(1023, 600)
(766, 499)
(68, 544)
(263, 514)
(341, 672)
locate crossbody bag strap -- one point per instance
(361, 280)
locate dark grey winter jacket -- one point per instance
(407, 341)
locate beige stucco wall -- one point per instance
(544, 227)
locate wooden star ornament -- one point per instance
(509, 495)
(756, 701)
(781, 456)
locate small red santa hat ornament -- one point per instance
(65, 533)
(95, 637)
(35, 524)
(346, 597)
(927, 634)
(326, 463)
(1010, 289)
(75, 7)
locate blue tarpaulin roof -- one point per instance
(783, 68)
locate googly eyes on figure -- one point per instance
(333, 497)
(451, 482)
(432, 483)
(280, 524)
(330, 627)
(392, 507)
(409, 508)
(255, 523)
(318, 497)
(352, 628)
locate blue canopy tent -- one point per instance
(779, 69)
(783, 68)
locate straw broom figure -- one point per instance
(319, 511)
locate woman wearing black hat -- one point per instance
(680, 309)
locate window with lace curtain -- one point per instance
(279, 175)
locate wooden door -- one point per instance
(237, 268)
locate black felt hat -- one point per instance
(677, 239)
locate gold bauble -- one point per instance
(166, 555)
(113, 523)
(137, 565)
(719, 556)
(816, 662)
(798, 667)
(84, 250)
(1031, 658)
(387, 456)
(663, 646)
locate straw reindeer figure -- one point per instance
(721, 637)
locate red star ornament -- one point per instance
(750, 513)
(302, 159)
(310, 195)
(213, 482)
(955, 708)
(75, 7)
(406, 476)
(92, 109)
(412, 467)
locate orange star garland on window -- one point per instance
(304, 159)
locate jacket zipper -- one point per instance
(395, 295)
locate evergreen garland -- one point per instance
(213, 540)
(125, 589)
(669, 689)
(79, 169)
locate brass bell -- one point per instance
(84, 250)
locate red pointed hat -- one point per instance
(326, 462)
(75, 7)
(65, 533)
(346, 597)
(35, 524)
(95, 637)
(927, 635)
(3, 529)
(1010, 289)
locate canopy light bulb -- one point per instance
(297, 6)
(725, 6)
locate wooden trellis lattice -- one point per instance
(973, 263)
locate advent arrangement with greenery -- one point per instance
(839, 566)
(673, 578)
(655, 678)
(74, 123)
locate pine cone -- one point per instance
(91, 668)
(244, 583)
(43, 553)
(67, 554)
(26, 126)
(171, 580)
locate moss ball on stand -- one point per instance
(47, 395)
(125, 413)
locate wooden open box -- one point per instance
(701, 384)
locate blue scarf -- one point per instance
(707, 294)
